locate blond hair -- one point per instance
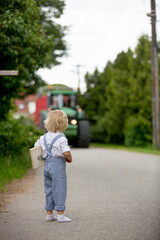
(56, 121)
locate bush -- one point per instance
(138, 132)
(17, 135)
(98, 132)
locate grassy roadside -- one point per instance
(148, 150)
(12, 168)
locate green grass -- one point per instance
(148, 150)
(12, 168)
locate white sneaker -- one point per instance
(50, 218)
(62, 219)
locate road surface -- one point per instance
(112, 195)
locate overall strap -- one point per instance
(46, 145)
(51, 145)
(54, 140)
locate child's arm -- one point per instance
(37, 143)
(68, 156)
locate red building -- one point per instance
(26, 106)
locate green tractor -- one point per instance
(65, 99)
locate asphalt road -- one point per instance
(112, 195)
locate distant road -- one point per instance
(112, 195)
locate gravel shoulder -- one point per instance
(16, 188)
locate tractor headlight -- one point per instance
(73, 121)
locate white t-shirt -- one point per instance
(59, 147)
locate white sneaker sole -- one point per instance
(63, 221)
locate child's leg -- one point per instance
(49, 205)
(60, 212)
(60, 190)
(49, 212)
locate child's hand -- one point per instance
(68, 156)
(68, 160)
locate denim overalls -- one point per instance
(55, 180)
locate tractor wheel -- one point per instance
(83, 134)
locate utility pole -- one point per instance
(78, 66)
(155, 80)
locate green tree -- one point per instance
(138, 125)
(27, 43)
(117, 93)
(49, 10)
(93, 103)
(120, 97)
(91, 96)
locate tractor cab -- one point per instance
(62, 99)
(57, 101)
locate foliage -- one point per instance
(137, 131)
(17, 135)
(93, 100)
(13, 167)
(98, 131)
(29, 40)
(50, 9)
(118, 100)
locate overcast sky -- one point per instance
(99, 30)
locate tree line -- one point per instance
(118, 100)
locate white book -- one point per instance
(35, 154)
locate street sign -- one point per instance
(8, 73)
